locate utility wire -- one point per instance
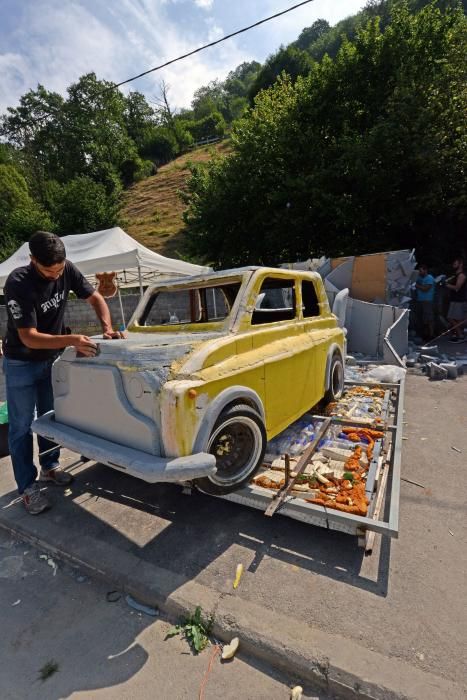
(214, 43)
(190, 53)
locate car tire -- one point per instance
(238, 441)
(336, 379)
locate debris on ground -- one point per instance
(17, 602)
(229, 650)
(50, 562)
(409, 481)
(238, 575)
(456, 449)
(140, 607)
(113, 596)
(48, 669)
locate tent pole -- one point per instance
(140, 278)
(121, 305)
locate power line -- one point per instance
(213, 43)
(187, 55)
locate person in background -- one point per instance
(424, 303)
(457, 311)
(35, 298)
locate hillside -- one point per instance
(152, 209)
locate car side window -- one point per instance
(275, 302)
(191, 305)
(309, 300)
(172, 307)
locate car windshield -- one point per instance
(204, 304)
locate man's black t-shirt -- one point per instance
(35, 302)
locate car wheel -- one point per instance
(238, 441)
(336, 379)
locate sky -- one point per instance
(54, 42)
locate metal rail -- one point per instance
(387, 456)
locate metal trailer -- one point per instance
(382, 485)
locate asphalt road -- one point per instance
(102, 650)
(406, 601)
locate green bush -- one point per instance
(13, 192)
(83, 205)
(368, 152)
(211, 125)
(25, 220)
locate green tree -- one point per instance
(311, 34)
(139, 118)
(20, 215)
(13, 192)
(367, 152)
(211, 125)
(83, 205)
(290, 60)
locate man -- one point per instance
(35, 297)
(425, 295)
(457, 311)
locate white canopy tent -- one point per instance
(111, 250)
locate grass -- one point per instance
(152, 209)
(195, 629)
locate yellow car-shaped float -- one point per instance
(213, 367)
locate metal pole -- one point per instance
(121, 304)
(140, 278)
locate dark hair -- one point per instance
(47, 248)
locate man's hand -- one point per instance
(113, 335)
(84, 345)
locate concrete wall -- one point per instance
(80, 317)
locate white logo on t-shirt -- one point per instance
(54, 302)
(15, 309)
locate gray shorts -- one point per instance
(457, 311)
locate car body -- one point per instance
(213, 367)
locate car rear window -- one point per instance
(309, 300)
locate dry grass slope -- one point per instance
(152, 209)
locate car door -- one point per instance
(278, 336)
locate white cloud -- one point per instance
(55, 42)
(204, 4)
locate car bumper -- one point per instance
(127, 459)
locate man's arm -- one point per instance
(99, 305)
(101, 309)
(33, 339)
(459, 282)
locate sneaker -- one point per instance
(56, 476)
(34, 501)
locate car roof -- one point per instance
(235, 272)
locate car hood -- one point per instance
(155, 352)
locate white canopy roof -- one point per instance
(111, 250)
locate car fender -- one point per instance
(234, 394)
(334, 348)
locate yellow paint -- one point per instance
(238, 575)
(178, 327)
(284, 363)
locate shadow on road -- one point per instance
(187, 533)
